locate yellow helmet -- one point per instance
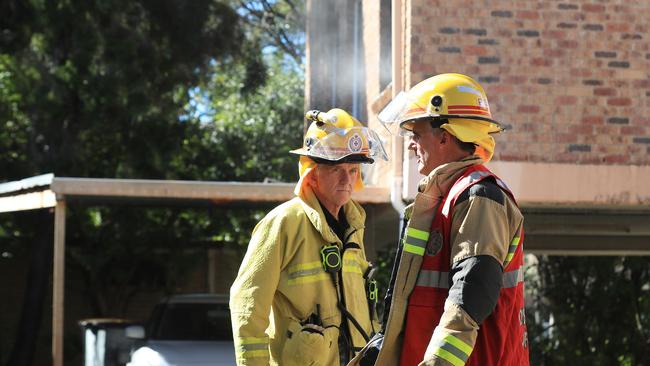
(336, 137)
(454, 99)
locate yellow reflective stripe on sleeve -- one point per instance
(418, 234)
(414, 249)
(451, 348)
(252, 347)
(448, 356)
(512, 248)
(415, 241)
(466, 348)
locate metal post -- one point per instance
(59, 282)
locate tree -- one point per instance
(109, 89)
(280, 23)
(590, 311)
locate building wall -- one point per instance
(569, 77)
(570, 80)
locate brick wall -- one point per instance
(569, 77)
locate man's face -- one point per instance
(333, 184)
(425, 143)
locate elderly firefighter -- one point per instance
(456, 294)
(304, 293)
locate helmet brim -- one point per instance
(353, 158)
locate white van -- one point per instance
(187, 330)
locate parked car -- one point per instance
(187, 330)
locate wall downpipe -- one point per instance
(397, 86)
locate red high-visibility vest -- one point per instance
(502, 337)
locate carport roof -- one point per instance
(42, 192)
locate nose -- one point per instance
(347, 177)
(411, 144)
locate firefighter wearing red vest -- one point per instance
(456, 295)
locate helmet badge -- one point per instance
(355, 143)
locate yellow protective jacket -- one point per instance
(281, 281)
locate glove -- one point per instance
(307, 345)
(371, 350)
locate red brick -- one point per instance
(568, 43)
(527, 14)
(642, 121)
(594, 8)
(554, 34)
(581, 129)
(622, 102)
(500, 89)
(592, 120)
(516, 79)
(605, 92)
(554, 52)
(528, 109)
(566, 158)
(607, 130)
(581, 73)
(566, 100)
(615, 159)
(645, 84)
(617, 27)
(566, 137)
(475, 51)
(541, 62)
(632, 130)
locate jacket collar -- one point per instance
(354, 213)
(445, 175)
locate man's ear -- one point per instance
(311, 178)
(445, 137)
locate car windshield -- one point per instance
(195, 322)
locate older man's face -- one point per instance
(333, 184)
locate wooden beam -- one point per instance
(59, 283)
(217, 192)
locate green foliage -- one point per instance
(105, 81)
(144, 89)
(590, 311)
(245, 134)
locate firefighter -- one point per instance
(301, 296)
(456, 294)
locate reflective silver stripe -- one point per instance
(415, 241)
(436, 279)
(253, 347)
(513, 278)
(456, 189)
(305, 272)
(461, 355)
(433, 279)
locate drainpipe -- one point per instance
(396, 190)
(355, 61)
